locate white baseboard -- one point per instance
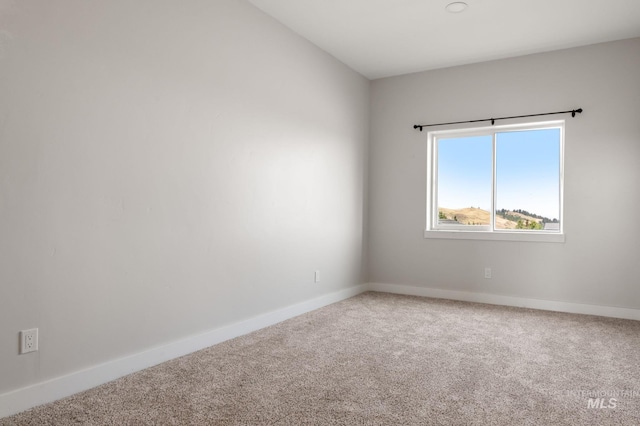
(494, 299)
(51, 390)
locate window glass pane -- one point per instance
(528, 180)
(464, 180)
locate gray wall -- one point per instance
(167, 168)
(599, 263)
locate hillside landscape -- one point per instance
(505, 219)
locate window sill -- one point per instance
(540, 237)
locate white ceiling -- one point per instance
(381, 38)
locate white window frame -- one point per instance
(488, 232)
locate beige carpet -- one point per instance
(382, 359)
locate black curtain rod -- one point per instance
(493, 120)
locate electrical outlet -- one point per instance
(317, 277)
(28, 340)
(487, 273)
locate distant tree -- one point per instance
(528, 224)
(441, 215)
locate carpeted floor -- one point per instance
(383, 359)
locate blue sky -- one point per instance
(528, 169)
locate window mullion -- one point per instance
(492, 215)
(434, 181)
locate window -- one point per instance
(498, 182)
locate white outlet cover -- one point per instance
(28, 340)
